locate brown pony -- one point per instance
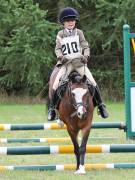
(76, 111)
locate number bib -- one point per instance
(71, 47)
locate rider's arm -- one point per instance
(84, 44)
(58, 50)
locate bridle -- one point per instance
(76, 105)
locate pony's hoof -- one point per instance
(81, 170)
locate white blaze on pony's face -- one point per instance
(78, 96)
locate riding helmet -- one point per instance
(68, 13)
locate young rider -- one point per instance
(73, 52)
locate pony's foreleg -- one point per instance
(82, 150)
(73, 136)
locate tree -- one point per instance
(27, 45)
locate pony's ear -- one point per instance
(84, 79)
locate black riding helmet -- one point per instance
(68, 13)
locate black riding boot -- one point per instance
(51, 110)
(101, 107)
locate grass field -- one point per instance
(36, 114)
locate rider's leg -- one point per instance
(101, 107)
(51, 110)
(64, 71)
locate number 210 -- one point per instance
(67, 49)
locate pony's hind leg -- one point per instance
(73, 136)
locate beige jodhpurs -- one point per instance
(66, 70)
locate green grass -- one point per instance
(36, 114)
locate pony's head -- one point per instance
(80, 95)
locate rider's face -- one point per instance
(70, 24)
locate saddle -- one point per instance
(73, 77)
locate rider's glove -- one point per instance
(84, 59)
(63, 60)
